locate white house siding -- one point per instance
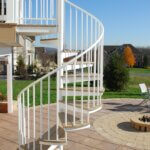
(28, 53)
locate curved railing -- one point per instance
(76, 85)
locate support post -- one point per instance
(60, 22)
(9, 84)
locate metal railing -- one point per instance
(37, 11)
(80, 91)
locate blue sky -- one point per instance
(125, 21)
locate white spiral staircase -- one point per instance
(78, 35)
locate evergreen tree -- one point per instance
(145, 61)
(116, 75)
(21, 68)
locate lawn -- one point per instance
(139, 70)
(132, 90)
(18, 85)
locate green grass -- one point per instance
(18, 85)
(132, 91)
(139, 70)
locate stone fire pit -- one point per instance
(141, 123)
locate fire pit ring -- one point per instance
(140, 125)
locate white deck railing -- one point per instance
(83, 32)
(37, 11)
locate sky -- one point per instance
(125, 21)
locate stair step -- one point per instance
(85, 105)
(85, 89)
(86, 77)
(80, 75)
(66, 59)
(70, 91)
(53, 142)
(71, 51)
(90, 110)
(34, 30)
(76, 127)
(50, 41)
(80, 63)
(70, 126)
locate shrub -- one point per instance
(116, 75)
(2, 97)
(31, 69)
(145, 61)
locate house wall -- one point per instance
(27, 51)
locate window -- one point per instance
(5, 7)
(29, 60)
(0, 7)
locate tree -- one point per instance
(129, 56)
(21, 69)
(116, 75)
(145, 61)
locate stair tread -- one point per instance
(61, 141)
(80, 62)
(85, 89)
(79, 75)
(76, 126)
(85, 104)
(53, 139)
(70, 125)
(71, 51)
(49, 39)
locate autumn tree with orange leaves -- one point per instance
(129, 56)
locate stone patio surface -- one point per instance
(110, 129)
